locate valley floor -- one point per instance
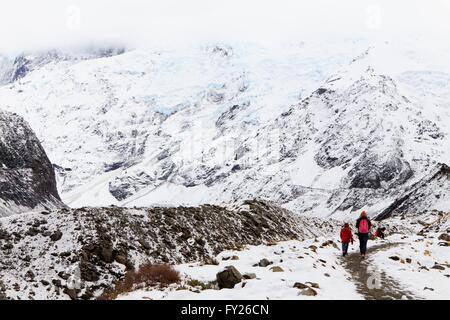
(400, 267)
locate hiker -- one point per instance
(346, 238)
(380, 233)
(363, 225)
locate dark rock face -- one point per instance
(369, 173)
(425, 195)
(27, 178)
(21, 68)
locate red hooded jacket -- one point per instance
(346, 235)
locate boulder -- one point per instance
(395, 258)
(329, 243)
(276, 269)
(88, 271)
(300, 285)
(308, 292)
(55, 236)
(249, 276)
(313, 284)
(228, 278)
(264, 263)
(72, 293)
(438, 267)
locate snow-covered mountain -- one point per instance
(27, 179)
(315, 130)
(17, 67)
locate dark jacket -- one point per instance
(363, 218)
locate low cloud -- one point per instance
(27, 25)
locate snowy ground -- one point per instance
(299, 262)
(323, 266)
(418, 275)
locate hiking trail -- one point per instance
(370, 283)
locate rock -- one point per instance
(264, 263)
(45, 282)
(30, 275)
(56, 235)
(276, 269)
(395, 258)
(234, 258)
(87, 295)
(88, 271)
(300, 285)
(313, 284)
(308, 292)
(63, 275)
(27, 175)
(408, 260)
(144, 244)
(121, 258)
(72, 293)
(328, 243)
(56, 283)
(228, 278)
(444, 237)
(438, 267)
(313, 248)
(106, 254)
(32, 232)
(249, 276)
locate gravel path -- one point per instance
(374, 284)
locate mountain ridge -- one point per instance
(349, 140)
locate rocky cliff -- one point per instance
(27, 179)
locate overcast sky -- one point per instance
(26, 25)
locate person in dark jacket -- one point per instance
(363, 226)
(346, 238)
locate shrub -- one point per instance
(156, 274)
(147, 275)
(203, 285)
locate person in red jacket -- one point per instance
(346, 238)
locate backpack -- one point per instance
(363, 226)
